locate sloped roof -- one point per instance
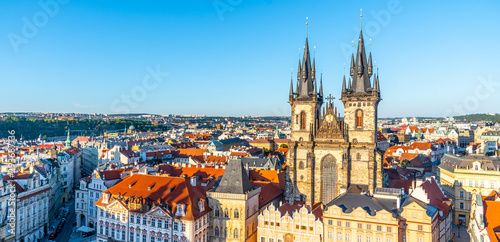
(235, 179)
(160, 189)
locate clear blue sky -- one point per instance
(224, 59)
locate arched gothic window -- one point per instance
(216, 211)
(359, 118)
(302, 120)
(236, 234)
(216, 232)
(226, 213)
(301, 165)
(236, 213)
(329, 179)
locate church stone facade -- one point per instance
(329, 154)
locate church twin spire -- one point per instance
(361, 70)
(306, 77)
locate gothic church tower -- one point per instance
(328, 154)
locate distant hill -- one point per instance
(479, 117)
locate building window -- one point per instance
(420, 228)
(330, 235)
(339, 223)
(216, 231)
(379, 228)
(360, 238)
(359, 118)
(159, 223)
(153, 222)
(226, 213)
(183, 227)
(347, 237)
(262, 239)
(358, 156)
(236, 213)
(302, 120)
(235, 234)
(216, 211)
(138, 220)
(176, 226)
(368, 226)
(360, 226)
(389, 229)
(144, 221)
(131, 236)
(368, 239)
(339, 236)
(330, 222)
(132, 218)
(461, 194)
(144, 238)
(420, 239)
(461, 205)
(348, 224)
(301, 165)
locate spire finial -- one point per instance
(352, 47)
(314, 50)
(370, 44)
(307, 26)
(361, 19)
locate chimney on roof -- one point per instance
(193, 181)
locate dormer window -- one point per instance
(201, 205)
(180, 210)
(105, 198)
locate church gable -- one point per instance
(331, 126)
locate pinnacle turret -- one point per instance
(343, 85)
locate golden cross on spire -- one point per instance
(361, 18)
(307, 26)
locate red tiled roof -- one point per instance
(172, 191)
(380, 137)
(72, 151)
(436, 196)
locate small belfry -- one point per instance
(330, 153)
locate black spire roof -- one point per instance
(235, 179)
(361, 69)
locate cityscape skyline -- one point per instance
(70, 62)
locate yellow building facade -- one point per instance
(459, 176)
